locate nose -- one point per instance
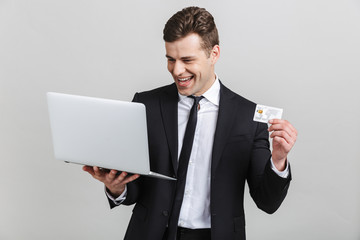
(179, 68)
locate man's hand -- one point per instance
(284, 137)
(115, 184)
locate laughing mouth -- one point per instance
(185, 79)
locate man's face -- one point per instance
(191, 67)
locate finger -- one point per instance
(283, 143)
(276, 120)
(279, 123)
(279, 127)
(88, 169)
(283, 121)
(120, 178)
(290, 142)
(111, 175)
(286, 128)
(282, 134)
(131, 178)
(97, 171)
(282, 127)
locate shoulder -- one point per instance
(240, 108)
(226, 93)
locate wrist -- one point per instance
(115, 193)
(280, 164)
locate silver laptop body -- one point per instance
(100, 132)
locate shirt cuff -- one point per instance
(119, 199)
(283, 174)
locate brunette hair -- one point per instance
(192, 20)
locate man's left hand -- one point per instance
(284, 137)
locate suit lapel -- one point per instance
(169, 114)
(227, 110)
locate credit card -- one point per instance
(265, 113)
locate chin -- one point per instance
(184, 93)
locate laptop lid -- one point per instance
(99, 132)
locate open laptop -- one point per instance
(100, 132)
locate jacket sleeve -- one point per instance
(267, 189)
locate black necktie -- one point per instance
(182, 168)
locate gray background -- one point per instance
(302, 56)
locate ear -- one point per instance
(215, 54)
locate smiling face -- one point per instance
(190, 65)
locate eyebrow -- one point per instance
(182, 58)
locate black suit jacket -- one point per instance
(240, 152)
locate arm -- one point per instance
(267, 188)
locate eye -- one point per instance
(171, 60)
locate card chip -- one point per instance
(265, 113)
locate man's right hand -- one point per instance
(115, 184)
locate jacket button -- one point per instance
(165, 213)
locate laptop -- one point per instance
(100, 132)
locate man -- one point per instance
(212, 160)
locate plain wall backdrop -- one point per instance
(303, 56)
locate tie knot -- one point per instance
(196, 99)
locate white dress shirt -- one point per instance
(195, 209)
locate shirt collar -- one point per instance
(212, 94)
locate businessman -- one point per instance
(204, 135)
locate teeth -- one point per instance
(184, 79)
